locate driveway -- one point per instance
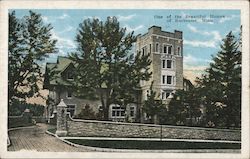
(34, 138)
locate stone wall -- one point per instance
(112, 129)
(19, 121)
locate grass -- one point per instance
(153, 145)
(52, 130)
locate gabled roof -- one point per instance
(54, 71)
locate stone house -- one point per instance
(166, 53)
(58, 78)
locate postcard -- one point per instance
(124, 79)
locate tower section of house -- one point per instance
(166, 54)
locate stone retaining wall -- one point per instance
(113, 129)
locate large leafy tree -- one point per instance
(154, 107)
(184, 105)
(30, 41)
(104, 60)
(221, 85)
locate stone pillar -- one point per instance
(27, 116)
(61, 127)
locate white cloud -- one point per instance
(45, 19)
(130, 29)
(63, 42)
(67, 29)
(48, 19)
(236, 30)
(64, 16)
(91, 17)
(190, 60)
(216, 37)
(228, 18)
(197, 43)
(125, 18)
(194, 67)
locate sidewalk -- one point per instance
(34, 138)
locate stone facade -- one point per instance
(166, 53)
(112, 129)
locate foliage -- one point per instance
(105, 60)
(86, 113)
(17, 108)
(220, 87)
(153, 107)
(30, 41)
(184, 105)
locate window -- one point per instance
(144, 50)
(117, 111)
(164, 94)
(178, 50)
(165, 49)
(149, 48)
(163, 63)
(169, 63)
(169, 49)
(156, 47)
(169, 79)
(69, 94)
(132, 111)
(71, 109)
(70, 76)
(163, 79)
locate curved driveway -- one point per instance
(34, 138)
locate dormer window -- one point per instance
(70, 76)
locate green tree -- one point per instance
(104, 60)
(30, 41)
(221, 85)
(153, 107)
(86, 113)
(184, 105)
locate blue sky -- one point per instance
(202, 38)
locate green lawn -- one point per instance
(52, 130)
(154, 145)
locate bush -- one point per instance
(86, 113)
(17, 108)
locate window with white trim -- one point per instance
(178, 50)
(117, 111)
(164, 95)
(167, 49)
(157, 47)
(69, 94)
(163, 63)
(169, 63)
(163, 79)
(169, 79)
(71, 109)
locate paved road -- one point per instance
(34, 138)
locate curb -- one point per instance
(145, 151)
